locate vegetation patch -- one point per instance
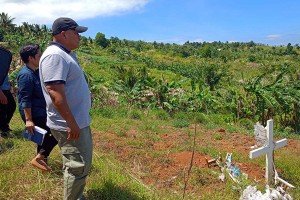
(147, 99)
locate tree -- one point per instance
(207, 51)
(6, 22)
(212, 75)
(115, 41)
(1, 35)
(289, 49)
(251, 44)
(100, 40)
(83, 41)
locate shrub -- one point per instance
(135, 114)
(6, 145)
(200, 118)
(180, 123)
(251, 58)
(217, 136)
(181, 120)
(161, 114)
(107, 112)
(217, 119)
(246, 124)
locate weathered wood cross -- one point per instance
(268, 150)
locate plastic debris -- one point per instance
(228, 158)
(251, 193)
(233, 170)
(222, 177)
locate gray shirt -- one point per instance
(59, 65)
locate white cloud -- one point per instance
(273, 37)
(46, 11)
(178, 40)
(197, 40)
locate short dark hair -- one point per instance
(28, 50)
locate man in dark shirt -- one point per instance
(32, 104)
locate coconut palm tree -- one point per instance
(6, 22)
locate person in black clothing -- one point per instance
(7, 107)
(32, 104)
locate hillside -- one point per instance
(246, 82)
(243, 81)
(148, 97)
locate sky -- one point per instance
(270, 22)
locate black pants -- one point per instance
(7, 111)
(49, 141)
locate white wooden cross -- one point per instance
(268, 149)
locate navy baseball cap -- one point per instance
(64, 24)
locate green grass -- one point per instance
(110, 181)
(113, 177)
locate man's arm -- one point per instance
(57, 94)
(3, 98)
(25, 86)
(28, 120)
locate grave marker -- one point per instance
(268, 149)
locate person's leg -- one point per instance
(11, 107)
(49, 141)
(38, 160)
(77, 161)
(45, 149)
(3, 116)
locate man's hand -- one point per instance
(73, 132)
(29, 126)
(3, 98)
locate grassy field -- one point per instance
(146, 155)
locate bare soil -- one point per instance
(162, 160)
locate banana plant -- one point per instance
(129, 84)
(270, 95)
(166, 95)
